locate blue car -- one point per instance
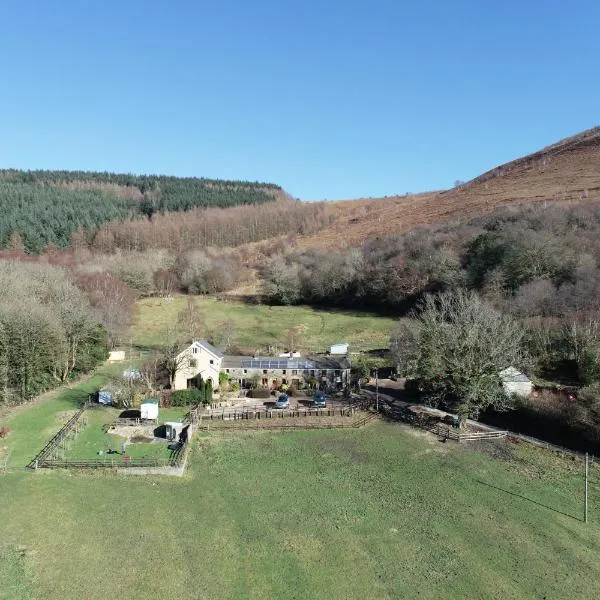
(283, 401)
(319, 400)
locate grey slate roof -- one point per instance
(210, 348)
(271, 362)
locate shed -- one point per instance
(116, 355)
(131, 374)
(149, 409)
(104, 397)
(338, 349)
(515, 382)
(173, 429)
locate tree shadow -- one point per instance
(516, 495)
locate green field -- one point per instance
(380, 512)
(259, 326)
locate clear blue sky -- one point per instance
(333, 100)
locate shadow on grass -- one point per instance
(495, 487)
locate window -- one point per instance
(284, 381)
(312, 373)
(211, 361)
(245, 370)
(265, 381)
(294, 372)
(264, 371)
(195, 350)
(283, 372)
(193, 362)
(226, 370)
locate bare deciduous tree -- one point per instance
(464, 344)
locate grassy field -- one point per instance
(381, 512)
(259, 326)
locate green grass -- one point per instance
(258, 326)
(376, 513)
(94, 439)
(32, 426)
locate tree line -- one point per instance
(537, 264)
(49, 331)
(47, 207)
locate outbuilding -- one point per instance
(515, 382)
(338, 349)
(149, 409)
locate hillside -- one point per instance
(568, 170)
(47, 207)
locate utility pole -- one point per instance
(377, 400)
(585, 505)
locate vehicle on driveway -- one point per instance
(319, 400)
(283, 401)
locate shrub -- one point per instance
(4, 431)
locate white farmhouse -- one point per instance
(199, 361)
(515, 382)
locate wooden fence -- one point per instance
(47, 457)
(447, 432)
(110, 463)
(289, 423)
(56, 443)
(263, 412)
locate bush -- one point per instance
(188, 397)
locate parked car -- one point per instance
(283, 401)
(319, 400)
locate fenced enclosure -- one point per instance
(261, 417)
(55, 454)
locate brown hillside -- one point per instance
(565, 171)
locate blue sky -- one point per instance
(330, 99)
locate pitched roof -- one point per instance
(270, 362)
(208, 347)
(512, 374)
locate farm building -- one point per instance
(149, 409)
(199, 361)
(339, 349)
(321, 371)
(515, 382)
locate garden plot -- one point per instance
(100, 440)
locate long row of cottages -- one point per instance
(202, 361)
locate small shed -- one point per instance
(515, 382)
(131, 374)
(105, 397)
(116, 356)
(149, 409)
(173, 429)
(339, 349)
